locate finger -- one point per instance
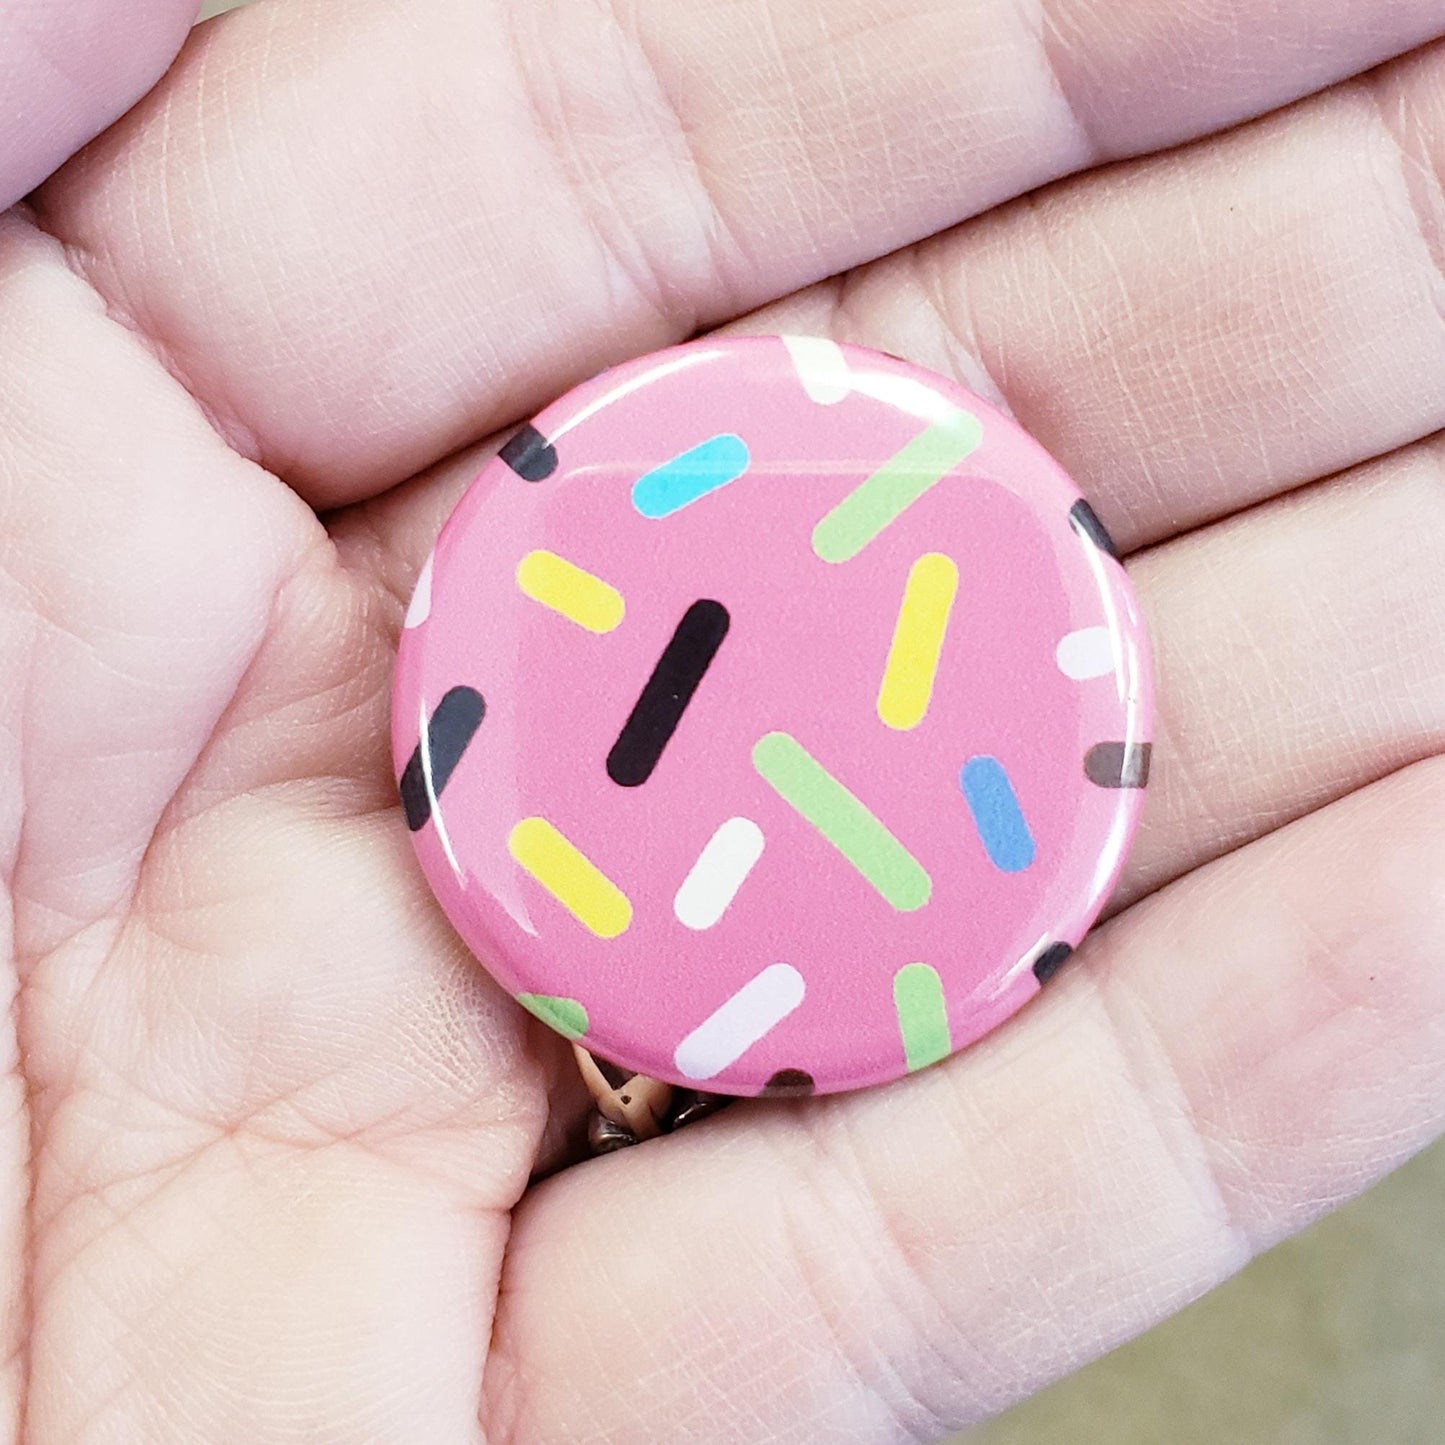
(1189, 334)
(140, 560)
(1248, 1048)
(138, 563)
(67, 71)
(261, 1099)
(1299, 655)
(365, 244)
(1195, 332)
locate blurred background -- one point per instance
(1335, 1338)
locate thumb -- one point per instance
(68, 68)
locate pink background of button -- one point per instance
(805, 654)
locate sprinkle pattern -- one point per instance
(565, 1015)
(808, 678)
(720, 871)
(445, 738)
(822, 368)
(997, 816)
(570, 877)
(665, 698)
(845, 822)
(917, 642)
(419, 608)
(922, 1015)
(1086, 654)
(686, 479)
(731, 1030)
(1119, 765)
(1087, 524)
(881, 500)
(1051, 960)
(530, 455)
(569, 591)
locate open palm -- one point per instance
(269, 1131)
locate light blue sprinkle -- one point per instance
(996, 814)
(682, 481)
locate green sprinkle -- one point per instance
(565, 1015)
(895, 486)
(922, 1015)
(806, 786)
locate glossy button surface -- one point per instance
(772, 709)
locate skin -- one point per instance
(272, 1145)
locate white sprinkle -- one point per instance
(420, 608)
(758, 1007)
(720, 870)
(822, 368)
(1087, 653)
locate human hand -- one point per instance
(267, 1154)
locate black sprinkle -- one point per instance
(530, 455)
(1051, 960)
(789, 1084)
(1119, 765)
(681, 668)
(452, 726)
(1087, 524)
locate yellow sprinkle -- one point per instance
(917, 641)
(577, 595)
(572, 879)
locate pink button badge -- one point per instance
(772, 712)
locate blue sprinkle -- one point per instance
(680, 482)
(996, 814)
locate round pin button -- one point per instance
(772, 714)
